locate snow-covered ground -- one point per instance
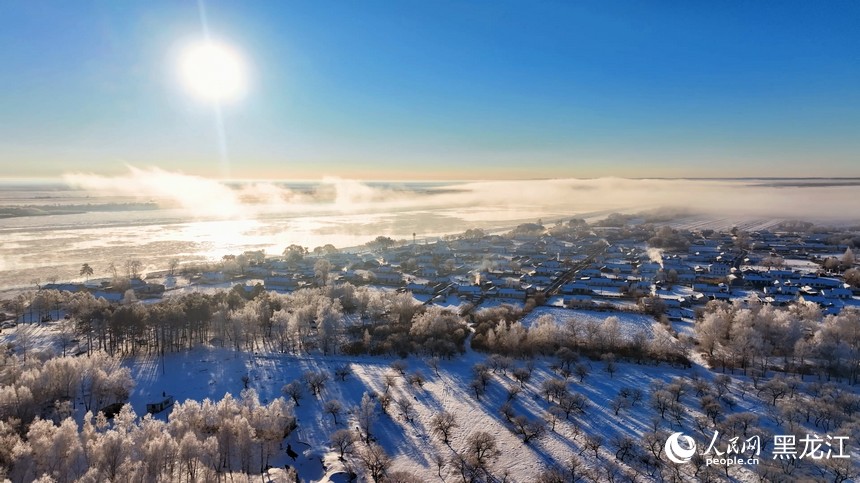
(213, 372)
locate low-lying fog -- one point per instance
(155, 215)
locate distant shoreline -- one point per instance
(19, 211)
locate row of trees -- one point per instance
(330, 319)
(305, 320)
(498, 330)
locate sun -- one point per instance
(213, 71)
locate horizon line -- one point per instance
(59, 179)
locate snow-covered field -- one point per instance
(711, 222)
(213, 372)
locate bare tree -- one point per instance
(852, 277)
(442, 424)
(343, 440)
(553, 389)
(440, 462)
(389, 381)
(342, 372)
(417, 379)
(522, 375)
(528, 429)
(554, 414)
(581, 370)
(481, 449)
(316, 381)
(625, 447)
(848, 258)
(572, 403)
(593, 443)
(722, 382)
(333, 407)
(399, 366)
(132, 268)
(87, 271)
(478, 387)
(618, 403)
(385, 401)
(375, 461)
(407, 409)
(294, 391)
(774, 389)
(660, 401)
(482, 374)
(609, 364)
(512, 392)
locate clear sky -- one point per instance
(437, 89)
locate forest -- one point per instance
(63, 417)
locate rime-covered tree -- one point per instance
(365, 415)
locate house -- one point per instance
(576, 288)
(649, 269)
(386, 277)
(159, 406)
(63, 287)
(781, 289)
(756, 279)
(469, 291)
(257, 271)
(590, 272)
(830, 306)
(421, 288)
(720, 269)
(280, 282)
(837, 293)
(212, 277)
(509, 294)
(429, 272)
(821, 282)
(578, 301)
(149, 290)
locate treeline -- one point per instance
(202, 441)
(498, 330)
(340, 318)
(330, 319)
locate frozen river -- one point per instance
(48, 230)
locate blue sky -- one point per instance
(439, 90)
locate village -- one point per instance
(610, 265)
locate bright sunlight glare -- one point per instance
(213, 71)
